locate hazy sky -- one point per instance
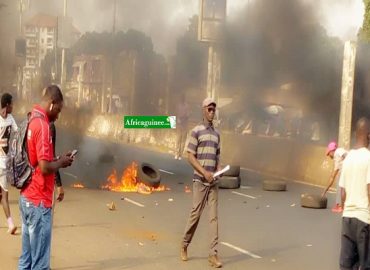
(166, 20)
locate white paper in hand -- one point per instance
(222, 171)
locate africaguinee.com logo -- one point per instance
(161, 121)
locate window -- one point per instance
(214, 9)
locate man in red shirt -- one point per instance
(36, 198)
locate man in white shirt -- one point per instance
(7, 125)
(338, 155)
(355, 189)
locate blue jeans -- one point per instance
(36, 236)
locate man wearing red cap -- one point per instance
(338, 155)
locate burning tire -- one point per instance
(148, 174)
(313, 201)
(274, 185)
(229, 182)
(233, 171)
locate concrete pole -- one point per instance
(112, 56)
(210, 71)
(104, 84)
(80, 80)
(63, 69)
(133, 84)
(345, 119)
(20, 65)
(21, 17)
(216, 75)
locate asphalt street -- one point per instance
(257, 229)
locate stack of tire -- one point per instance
(230, 179)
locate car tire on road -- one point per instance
(274, 185)
(233, 171)
(314, 201)
(229, 182)
(148, 174)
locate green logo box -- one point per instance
(159, 121)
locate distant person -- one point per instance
(204, 156)
(355, 189)
(182, 126)
(7, 126)
(275, 122)
(315, 128)
(36, 198)
(338, 155)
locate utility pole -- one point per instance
(63, 68)
(214, 72)
(346, 105)
(212, 17)
(21, 17)
(20, 64)
(111, 60)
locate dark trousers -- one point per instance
(355, 247)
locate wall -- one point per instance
(280, 157)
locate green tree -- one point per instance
(364, 33)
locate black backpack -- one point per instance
(19, 169)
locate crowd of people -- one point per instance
(37, 197)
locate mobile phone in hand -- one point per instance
(74, 153)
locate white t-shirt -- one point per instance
(354, 179)
(339, 155)
(7, 125)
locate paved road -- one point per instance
(262, 224)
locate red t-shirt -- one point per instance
(40, 147)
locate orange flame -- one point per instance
(129, 182)
(78, 186)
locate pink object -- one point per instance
(332, 146)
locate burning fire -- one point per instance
(78, 186)
(129, 182)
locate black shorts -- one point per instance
(355, 245)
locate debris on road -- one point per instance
(77, 185)
(267, 206)
(308, 245)
(111, 206)
(141, 244)
(292, 205)
(273, 260)
(170, 200)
